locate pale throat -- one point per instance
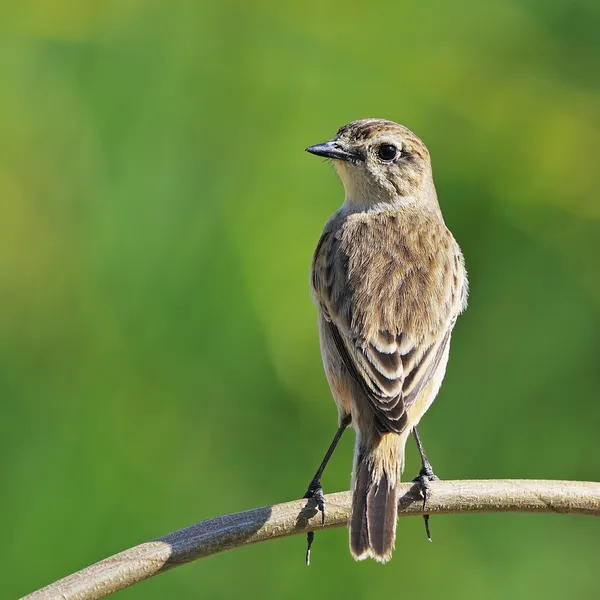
(361, 193)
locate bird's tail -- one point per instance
(377, 468)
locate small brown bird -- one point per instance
(389, 280)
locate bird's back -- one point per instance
(398, 271)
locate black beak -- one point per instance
(331, 150)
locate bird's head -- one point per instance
(378, 161)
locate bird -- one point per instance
(389, 281)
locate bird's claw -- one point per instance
(425, 476)
(315, 492)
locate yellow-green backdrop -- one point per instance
(159, 361)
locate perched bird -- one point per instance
(389, 282)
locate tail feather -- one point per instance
(359, 532)
(382, 514)
(375, 499)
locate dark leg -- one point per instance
(426, 475)
(315, 490)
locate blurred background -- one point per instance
(159, 362)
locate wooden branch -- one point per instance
(271, 522)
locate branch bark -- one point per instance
(271, 522)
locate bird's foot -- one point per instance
(424, 478)
(315, 493)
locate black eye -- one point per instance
(387, 152)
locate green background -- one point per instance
(159, 362)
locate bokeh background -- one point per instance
(159, 362)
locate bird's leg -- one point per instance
(315, 490)
(314, 487)
(426, 475)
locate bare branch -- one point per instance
(271, 522)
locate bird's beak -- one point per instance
(331, 150)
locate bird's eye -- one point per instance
(387, 152)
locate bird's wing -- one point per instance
(391, 378)
(391, 367)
